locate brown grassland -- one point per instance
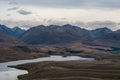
(72, 70)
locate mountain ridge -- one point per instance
(55, 34)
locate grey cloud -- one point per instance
(90, 25)
(24, 12)
(13, 8)
(74, 3)
(99, 24)
(12, 3)
(8, 15)
(112, 4)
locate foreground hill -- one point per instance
(72, 70)
(9, 40)
(17, 52)
(21, 52)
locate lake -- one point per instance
(7, 73)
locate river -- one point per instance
(7, 73)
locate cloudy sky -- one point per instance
(26, 13)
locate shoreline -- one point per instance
(65, 67)
(53, 66)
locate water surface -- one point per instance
(7, 73)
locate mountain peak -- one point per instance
(16, 28)
(101, 31)
(5, 30)
(41, 26)
(104, 28)
(118, 31)
(17, 31)
(67, 25)
(1, 25)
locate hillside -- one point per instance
(15, 32)
(54, 34)
(18, 31)
(72, 70)
(5, 30)
(60, 40)
(111, 40)
(9, 40)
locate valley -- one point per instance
(69, 40)
(59, 40)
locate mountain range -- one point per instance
(16, 31)
(66, 34)
(39, 41)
